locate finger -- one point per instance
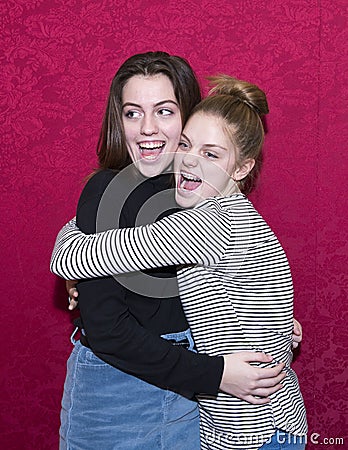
(73, 292)
(294, 344)
(269, 372)
(256, 357)
(297, 328)
(267, 392)
(255, 400)
(72, 304)
(269, 381)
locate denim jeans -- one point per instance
(104, 408)
(282, 440)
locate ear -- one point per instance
(244, 170)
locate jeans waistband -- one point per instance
(182, 338)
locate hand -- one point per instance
(73, 293)
(296, 334)
(249, 382)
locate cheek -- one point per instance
(230, 164)
(173, 132)
(129, 136)
(127, 133)
(226, 169)
(131, 128)
(132, 155)
(217, 176)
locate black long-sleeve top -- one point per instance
(123, 328)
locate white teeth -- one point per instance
(151, 145)
(186, 178)
(190, 177)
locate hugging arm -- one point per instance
(182, 238)
(118, 339)
(169, 241)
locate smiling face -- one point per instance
(205, 163)
(152, 122)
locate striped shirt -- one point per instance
(237, 293)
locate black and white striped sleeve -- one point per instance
(196, 236)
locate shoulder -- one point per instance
(225, 209)
(90, 198)
(99, 181)
(96, 185)
(210, 212)
(216, 205)
(235, 203)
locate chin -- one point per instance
(187, 202)
(149, 170)
(153, 168)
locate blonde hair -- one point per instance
(241, 105)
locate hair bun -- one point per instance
(247, 93)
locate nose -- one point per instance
(149, 125)
(189, 159)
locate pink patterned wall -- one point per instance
(57, 60)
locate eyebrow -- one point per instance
(162, 102)
(205, 145)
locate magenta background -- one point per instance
(57, 60)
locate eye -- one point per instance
(210, 154)
(183, 145)
(131, 114)
(165, 112)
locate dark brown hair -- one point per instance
(241, 105)
(112, 149)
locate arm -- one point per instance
(183, 238)
(296, 334)
(116, 337)
(239, 378)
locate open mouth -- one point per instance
(151, 150)
(188, 182)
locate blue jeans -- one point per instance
(104, 408)
(282, 440)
